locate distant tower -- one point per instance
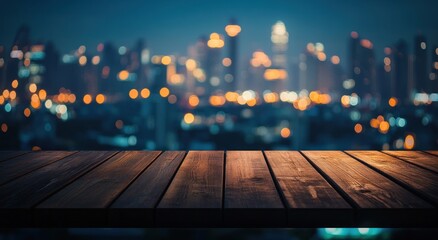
(232, 31)
(280, 39)
(400, 84)
(420, 64)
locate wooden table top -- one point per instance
(218, 189)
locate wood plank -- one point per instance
(251, 197)
(418, 158)
(84, 201)
(25, 192)
(5, 155)
(194, 197)
(310, 199)
(420, 180)
(435, 152)
(380, 201)
(16, 167)
(135, 207)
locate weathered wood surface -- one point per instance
(218, 189)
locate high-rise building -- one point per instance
(399, 85)
(278, 73)
(232, 30)
(433, 75)
(420, 64)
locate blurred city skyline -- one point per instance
(170, 26)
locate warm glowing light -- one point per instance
(271, 97)
(145, 93)
(123, 75)
(335, 60)
(251, 102)
(302, 104)
(193, 100)
(190, 64)
(217, 100)
(358, 128)
(12, 95)
(409, 142)
(285, 132)
(189, 118)
(383, 127)
(133, 93)
(166, 60)
(275, 74)
(393, 102)
(4, 127)
(226, 62)
(14, 83)
(345, 100)
(82, 60)
(2, 99)
(32, 88)
(354, 35)
(36, 148)
(164, 92)
(72, 98)
(215, 41)
(232, 30)
(100, 98)
(95, 60)
(321, 56)
(42, 94)
(27, 112)
(260, 58)
(231, 96)
(87, 99)
(366, 43)
(6, 93)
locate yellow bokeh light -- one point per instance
(95, 60)
(383, 127)
(335, 60)
(226, 62)
(72, 98)
(189, 118)
(42, 94)
(285, 132)
(14, 83)
(2, 99)
(166, 60)
(392, 102)
(358, 128)
(6, 93)
(193, 101)
(87, 99)
(232, 30)
(217, 100)
(409, 142)
(164, 92)
(12, 95)
(27, 112)
(191, 64)
(82, 60)
(275, 74)
(145, 93)
(133, 93)
(100, 98)
(32, 87)
(123, 75)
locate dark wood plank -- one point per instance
(310, 199)
(420, 180)
(18, 166)
(194, 196)
(5, 155)
(251, 197)
(135, 207)
(25, 192)
(380, 201)
(418, 158)
(85, 199)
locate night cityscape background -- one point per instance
(218, 75)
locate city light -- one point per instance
(145, 93)
(215, 41)
(100, 98)
(123, 75)
(232, 30)
(87, 99)
(193, 100)
(285, 132)
(189, 118)
(133, 93)
(164, 92)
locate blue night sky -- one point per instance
(170, 26)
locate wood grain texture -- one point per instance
(27, 191)
(367, 188)
(435, 152)
(194, 196)
(422, 181)
(310, 199)
(421, 159)
(85, 201)
(18, 166)
(5, 155)
(250, 193)
(137, 202)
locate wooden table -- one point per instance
(218, 189)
